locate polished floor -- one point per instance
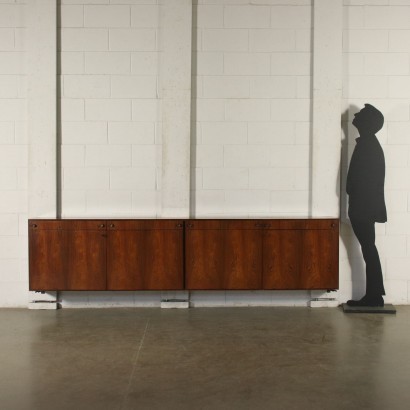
(215, 358)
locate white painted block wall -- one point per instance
(377, 70)
(13, 155)
(251, 125)
(251, 100)
(111, 148)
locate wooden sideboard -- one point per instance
(170, 254)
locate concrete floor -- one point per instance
(215, 358)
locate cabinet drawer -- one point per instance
(83, 225)
(67, 224)
(45, 225)
(223, 224)
(303, 224)
(147, 224)
(204, 224)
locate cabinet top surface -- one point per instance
(187, 219)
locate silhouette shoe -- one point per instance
(371, 301)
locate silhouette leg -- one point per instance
(365, 233)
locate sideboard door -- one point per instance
(67, 254)
(145, 255)
(301, 254)
(320, 259)
(204, 255)
(86, 262)
(281, 259)
(223, 255)
(47, 255)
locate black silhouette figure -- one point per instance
(365, 187)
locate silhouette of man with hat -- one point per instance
(365, 187)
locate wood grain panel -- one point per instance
(223, 258)
(144, 224)
(125, 260)
(281, 259)
(164, 260)
(145, 259)
(302, 224)
(46, 224)
(302, 258)
(204, 224)
(47, 262)
(85, 225)
(319, 259)
(242, 259)
(150, 254)
(241, 224)
(86, 262)
(204, 259)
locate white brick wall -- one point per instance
(83, 39)
(251, 120)
(376, 44)
(252, 73)
(13, 156)
(106, 63)
(109, 107)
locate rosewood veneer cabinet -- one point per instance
(171, 254)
